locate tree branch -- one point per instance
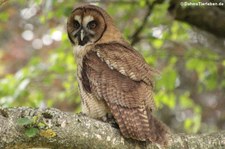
(210, 19)
(69, 130)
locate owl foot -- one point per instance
(108, 118)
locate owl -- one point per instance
(113, 77)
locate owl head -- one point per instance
(88, 24)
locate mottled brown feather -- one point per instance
(84, 78)
(129, 99)
(121, 56)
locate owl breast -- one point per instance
(90, 104)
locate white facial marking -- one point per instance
(82, 35)
(77, 18)
(87, 19)
(74, 32)
(92, 32)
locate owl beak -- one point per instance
(82, 37)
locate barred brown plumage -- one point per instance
(113, 77)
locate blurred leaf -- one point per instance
(142, 3)
(24, 121)
(185, 100)
(188, 124)
(31, 132)
(4, 17)
(168, 76)
(165, 98)
(157, 43)
(223, 63)
(159, 17)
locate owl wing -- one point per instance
(120, 77)
(127, 61)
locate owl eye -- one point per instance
(92, 25)
(76, 24)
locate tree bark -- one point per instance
(70, 130)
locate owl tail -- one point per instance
(159, 132)
(140, 124)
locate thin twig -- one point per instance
(135, 37)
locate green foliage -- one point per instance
(192, 123)
(159, 16)
(36, 125)
(165, 98)
(30, 130)
(24, 121)
(4, 17)
(168, 76)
